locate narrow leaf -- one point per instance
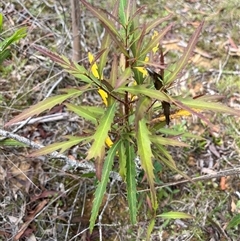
(101, 187)
(145, 153)
(203, 105)
(175, 215)
(168, 161)
(46, 104)
(122, 14)
(153, 42)
(131, 183)
(108, 24)
(235, 221)
(141, 89)
(101, 133)
(167, 141)
(73, 141)
(122, 160)
(124, 78)
(173, 73)
(151, 25)
(83, 112)
(11, 142)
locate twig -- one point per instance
(228, 172)
(103, 210)
(72, 163)
(42, 119)
(83, 164)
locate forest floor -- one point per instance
(39, 200)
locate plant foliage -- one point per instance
(124, 127)
(7, 42)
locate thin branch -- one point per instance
(75, 29)
(228, 172)
(87, 166)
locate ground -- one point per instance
(41, 201)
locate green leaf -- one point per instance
(168, 160)
(167, 141)
(165, 157)
(4, 55)
(124, 78)
(172, 132)
(65, 145)
(175, 215)
(19, 34)
(83, 112)
(154, 42)
(108, 25)
(131, 182)
(11, 142)
(96, 110)
(101, 187)
(142, 89)
(1, 22)
(235, 221)
(143, 105)
(70, 66)
(150, 228)
(46, 104)
(105, 43)
(145, 153)
(122, 15)
(151, 25)
(204, 105)
(101, 133)
(122, 160)
(173, 73)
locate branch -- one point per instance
(228, 172)
(83, 164)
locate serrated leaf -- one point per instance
(70, 66)
(153, 42)
(131, 182)
(105, 43)
(145, 153)
(204, 105)
(173, 132)
(162, 152)
(175, 215)
(108, 25)
(83, 112)
(101, 133)
(151, 25)
(46, 104)
(180, 65)
(150, 228)
(73, 141)
(101, 187)
(167, 141)
(168, 160)
(141, 89)
(96, 110)
(143, 105)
